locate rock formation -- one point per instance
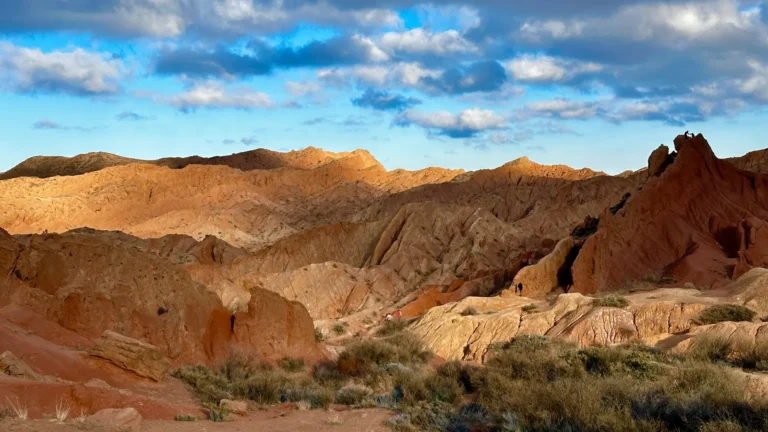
(540, 279)
(688, 224)
(143, 359)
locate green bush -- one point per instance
(611, 300)
(529, 308)
(185, 418)
(725, 312)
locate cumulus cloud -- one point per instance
(547, 69)
(77, 72)
(384, 101)
(563, 109)
(484, 76)
(211, 94)
(422, 42)
(466, 124)
(172, 18)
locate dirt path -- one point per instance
(273, 420)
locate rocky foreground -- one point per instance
(115, 272)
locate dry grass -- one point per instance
(20, 411)
(334, 419)
(62, 412)
(611, 300)
(470, 311)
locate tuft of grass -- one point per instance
(390, 328)
(5, 413)
(291, 364)
(470, 311)
(334, 419)
(62, 412)
(611, 300)
(353, 394)
(725, 312)
(319, 336)
(20, 411)
(185, 418)
(529, 308)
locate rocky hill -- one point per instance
(113, 270)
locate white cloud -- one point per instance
(757, 84)
(465, 124)
(210, 94)
(420, 41)
(403, 74)
(303, 88)
(76, 72)
(532, 68)
(563, 108)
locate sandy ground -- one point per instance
(275, 419)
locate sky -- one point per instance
(448, 83)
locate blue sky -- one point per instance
(445, 83)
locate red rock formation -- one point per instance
(683, 224)
(91, 282)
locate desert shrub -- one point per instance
(611, 300)
(390, 328)
(529, 308)
(470, 311)
(725, 312)
(339, 329)
(5, 413)
(531, 358)
(319, 336)
(353, 394)
(635, 360)
(291, 364)
(365, 357)
(185, 418)
(741, 352)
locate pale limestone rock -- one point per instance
(130, 354)
(116, 420)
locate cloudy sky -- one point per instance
(453, 83)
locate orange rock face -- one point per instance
(701, 221)
(92, 282)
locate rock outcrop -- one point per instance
(130, 354)
(658, 161)
(116, 420)
(465, 330)
(12, 366)
(686, 225)
(92, 282)
(541, 278)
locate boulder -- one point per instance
(541, 278)
(116, 420)
(13, 366)
(237, 407)
(130, 354)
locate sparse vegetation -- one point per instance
(291, 364)
(531, 383)
(185, 418)
(339, 329)
(725, 312)
(611, 300)
(529, 308)
(319, 336)
(62, 412)
(334, 419)
(391, 327)
(19, 410)
(469, 311)
(5, 413)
